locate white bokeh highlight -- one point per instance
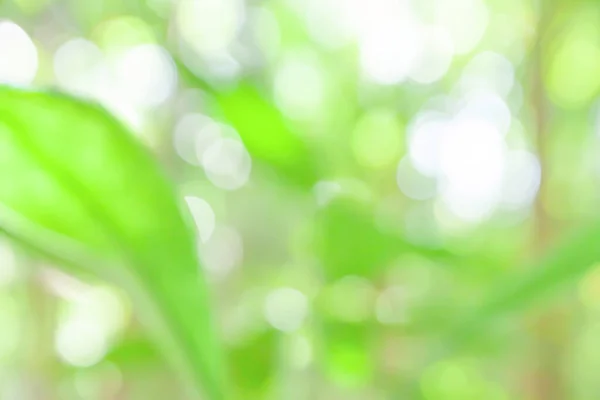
(18, 55)
(146, 75)
(227, 163)
(209, 26)
(286, 309)
(389, 49)
(299, 85)
(78, 66)
(223, 252)
(203, 215)
(192, 135)
(131, 82)
(462, 149)
(521, 180)
(472, 165)
(435, 59)
(95, 315)
(81, 343)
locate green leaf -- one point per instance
(266, 134)
(349, 241)
(265, 131)
(577, 253)
(131, 353)
(76, 186)
(253, 364)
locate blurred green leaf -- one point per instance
(134, 352)
(262, 127)
(349, 359)
(75, 185)
(253, 364)
(267, 135)
(578, 253)
(572, 80)
(350, 242)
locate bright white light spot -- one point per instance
(390, 307)
(81, 68)
(522, 178)
(203, 215)
(488, 71)
(94, 316)
(467, 146)
(286, 309)
(424, 139)
(223, 251)
(465, 20)
(106, 306)
(18, 55)
(81, 342)
(189, 134)
(489, 107)
(76, 62)
(436, 57)
(465, 152)
(209, 26)
(377, 139)
(146, 75)
(227, 164)
(389, 39)
(414, 184)
(209, 134)
(300, 86)
(472, 163)
(388, 51)
(128, 112)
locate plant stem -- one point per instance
(547, 381)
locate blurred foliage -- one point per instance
(85, 221)
(391, 199)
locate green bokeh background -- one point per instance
(339, 269)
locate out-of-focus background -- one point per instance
(361, 173)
